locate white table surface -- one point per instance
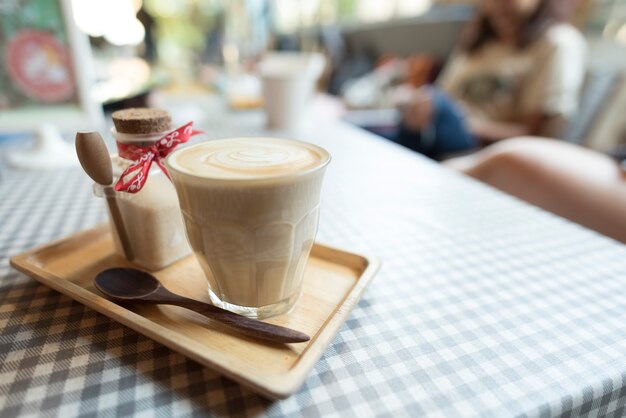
(484, 306)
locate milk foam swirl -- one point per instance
(248, 158)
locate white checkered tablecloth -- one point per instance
(484, 306)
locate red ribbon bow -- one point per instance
(144, 157)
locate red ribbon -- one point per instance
(144, 157)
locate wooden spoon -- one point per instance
(128, 284)
(95, 160)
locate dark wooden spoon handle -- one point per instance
(249, 326)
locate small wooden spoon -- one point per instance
(128, 284)
(94, 158)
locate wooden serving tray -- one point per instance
(333, 284)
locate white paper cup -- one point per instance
(288, 84)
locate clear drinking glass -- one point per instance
(252, 236)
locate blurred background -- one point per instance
(211, 47)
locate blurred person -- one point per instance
(518, 71)
(584, 186)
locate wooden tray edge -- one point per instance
(292, 380)
(273, 387)
(185, 346)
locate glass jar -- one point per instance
(152, 217)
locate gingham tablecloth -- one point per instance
(485, 306)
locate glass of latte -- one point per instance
(251, 210)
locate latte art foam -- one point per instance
(248, 158)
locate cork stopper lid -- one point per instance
(141, 120)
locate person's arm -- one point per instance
(579, 184)
(419, 112)
(492, 131)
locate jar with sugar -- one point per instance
(146, 197)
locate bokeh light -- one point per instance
(115, 20)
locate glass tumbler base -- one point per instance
(258, 312)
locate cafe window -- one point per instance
(290, 16)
